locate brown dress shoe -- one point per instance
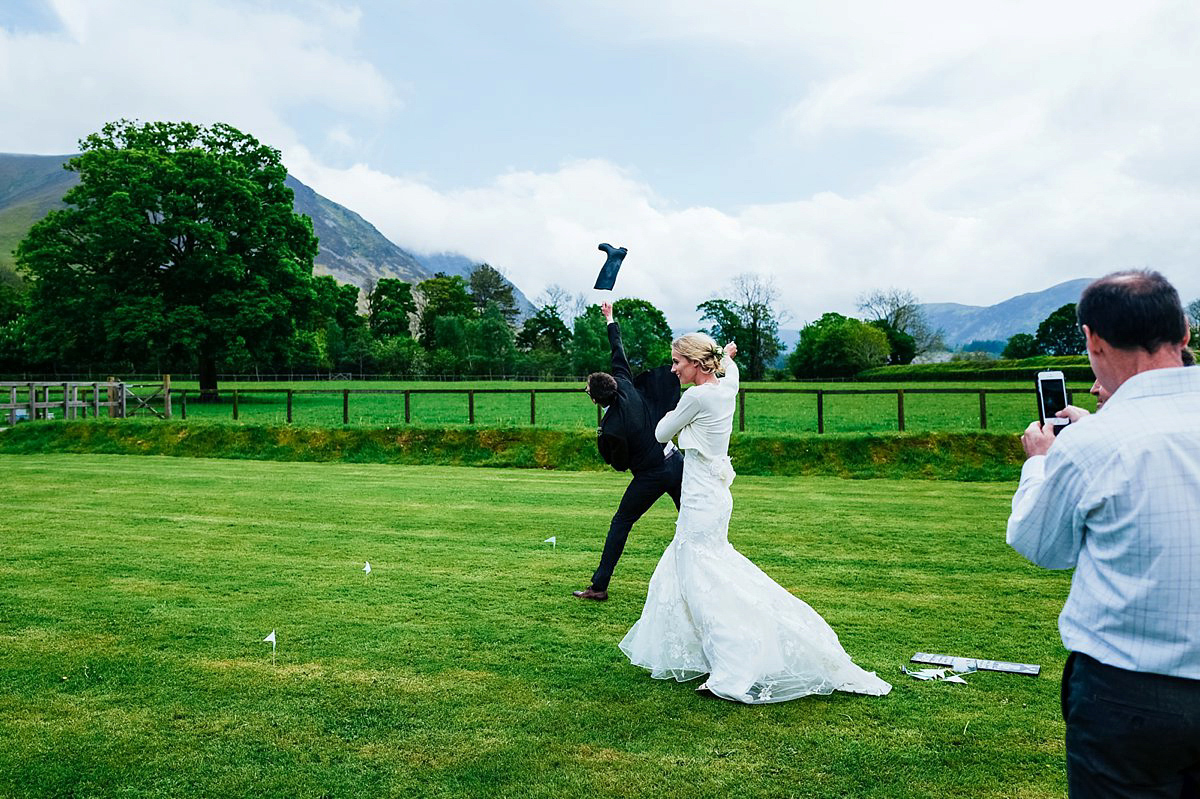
(591, 593)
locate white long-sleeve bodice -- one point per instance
(703, 419)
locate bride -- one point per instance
(709, 610)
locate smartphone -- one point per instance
(1052, 398)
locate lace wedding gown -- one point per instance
(709, 610)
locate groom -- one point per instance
(626, 442)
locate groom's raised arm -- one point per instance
(620, 364)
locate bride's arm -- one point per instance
(670, 425)
(732, 377)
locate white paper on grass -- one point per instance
(936, 674)
(367, 567)
(979, 664)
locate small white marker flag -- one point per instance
(552, 540)
(270, 639)
(367, 567)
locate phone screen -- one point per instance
(1054, 397)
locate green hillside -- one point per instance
(30, 187)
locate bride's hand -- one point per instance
(731, 349)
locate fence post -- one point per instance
(741, 410)
(235, 405)
(345, 406)
(167, 396)
(110, 396)
(900, 409)
(289, 406)
(820, 411)
(12, 401)
(121, 390)
(983, 410)
(533, 406)
(470, 407)
(32, 402)
(66, 400)
(407, 408)
(183, 405)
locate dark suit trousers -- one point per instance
(643, 491)
(1129, 733)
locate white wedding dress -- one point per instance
(709, 610)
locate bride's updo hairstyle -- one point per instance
(701, 350)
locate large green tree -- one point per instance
(645, 335)
(488, 286)
(490, 343)
(544, 341)
(1059, 333)
(1021, 345)
(440, 296)
(837, 346)
(390, 304)
(748, 317)
(903, 346)
(178, 243)
(336, 317)
(589, 343)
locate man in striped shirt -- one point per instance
(1116, 496)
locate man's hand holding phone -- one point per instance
(1037, 439)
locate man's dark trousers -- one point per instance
(643, 491)
(1130, 734)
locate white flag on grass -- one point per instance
(552, 540)
(271, 640)
(367, 567)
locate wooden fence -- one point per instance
(819, 394)
(38, 400)
(42, 400)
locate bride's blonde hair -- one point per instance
(701, 350)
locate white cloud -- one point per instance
(1034, 142)
(204, 62)
(823, 252)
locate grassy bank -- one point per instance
(135, 593)
(953, 456)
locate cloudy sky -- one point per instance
(966, 152)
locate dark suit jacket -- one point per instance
(626, 435)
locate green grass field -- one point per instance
(135, 593)
(776, 412)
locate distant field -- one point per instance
(135, 593)
(765, 413)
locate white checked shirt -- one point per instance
(1118, 498)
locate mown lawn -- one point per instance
(135, 593)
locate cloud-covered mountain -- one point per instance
(351, 248)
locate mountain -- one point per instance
(1021, 314)
(351, 248)
(31, 186)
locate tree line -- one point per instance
(179, 251)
